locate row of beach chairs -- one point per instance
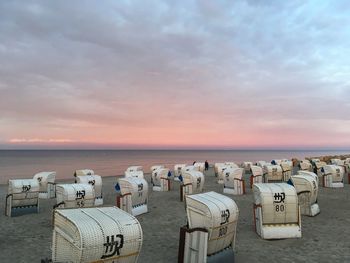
(212, 217)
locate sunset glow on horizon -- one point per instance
(194, 74)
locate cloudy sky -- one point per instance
(175, 74)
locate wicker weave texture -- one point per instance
(279, 202)
(105, 234)
(94, 180)
(138, 188)
(218, 214)
(196, 178)
(158, 175)
(231, 174)
(75, 195)
(273, 172)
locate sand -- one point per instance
(325, 238)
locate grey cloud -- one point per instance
(81, 60)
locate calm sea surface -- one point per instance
(25, 163)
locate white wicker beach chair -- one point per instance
(318, 169)
(217, 167)
(276, 211)
(257, 175)
(262, 163)
(306, 184)
(22, 197)
(161, 180)
(133, 195)
(211, 231)
(222, 169)
(305, 165)
(332, 176)
(336, 161)
(178, 171)
(96, 182)
(246, 166)
(193, 182)
(287, 169)
(74, 195)
(234, 183)
(103, 234)
(47, 186)
(273, 173)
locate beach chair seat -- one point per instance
(103, 234)
(96, 182)
(47, 185)
(306, 185)
(287, 169)
(161, 180)
(192, 182)
(276, 211)
(22, 197)
(234, 183)
(332, 176)
(211, 230)
(256, 175)
(132, 195)
(74, 195)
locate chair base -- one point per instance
(232, 191)
(315, 210)
(138, 210)
(335, 185)
(98, 201)
(280, 231)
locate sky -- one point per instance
(174, 74)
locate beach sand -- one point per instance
(325, 238)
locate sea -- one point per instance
(21, 164)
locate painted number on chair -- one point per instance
(80, 194)
(26, 188)
(92, 182)
(199, 182)
(80, 203)
(225, 216)
(113, 245)
(222, 231)
(278, 200)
